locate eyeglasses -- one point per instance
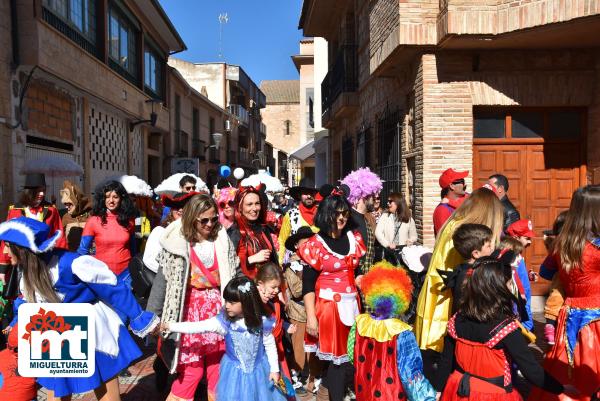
(343, 213)
(190, 187)
(223, 205)
(204, 221)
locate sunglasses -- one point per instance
(204, 221)
(190, 188)
(458, 182)
(343, 213)
(223, 205)
(390, 201)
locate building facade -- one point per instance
(229, 87)
(194, 120)
(281, 117)
(415, 87)
(88, 82)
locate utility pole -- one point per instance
(223, 19)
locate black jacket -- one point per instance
(511, 214)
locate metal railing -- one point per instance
(244, 155)
(343, 77)
(240, 112)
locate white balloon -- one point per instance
(238, 173)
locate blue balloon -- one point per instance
(225, 171)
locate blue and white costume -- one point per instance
(85, 279)
(248, 360)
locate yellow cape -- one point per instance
(434, 306)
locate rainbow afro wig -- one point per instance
(387, 290)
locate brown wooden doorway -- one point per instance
(542, 153)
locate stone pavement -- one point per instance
(140, 386)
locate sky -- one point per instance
(260, 35)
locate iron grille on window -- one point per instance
(389, 130)
(342, 78)
(363, 148)
(198, 148)
(65, 22)
(347, 156)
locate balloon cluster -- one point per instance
(225, 171)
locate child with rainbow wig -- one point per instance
(387, 359)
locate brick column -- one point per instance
(447, 132)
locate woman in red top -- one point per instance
(330, 292)
(250, 234)
(575, 358)
(111, 228)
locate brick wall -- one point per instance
(50, 111)
(501, 16)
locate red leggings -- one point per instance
(190, 374)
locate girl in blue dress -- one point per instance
(249, 369)
(62, 276)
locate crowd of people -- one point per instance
(248, 295)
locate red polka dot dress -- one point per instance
(336, 296)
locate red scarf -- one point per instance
(308, 214)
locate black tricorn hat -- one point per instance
(303, 232)
(306, 185)
(178, 200)
(35, 180)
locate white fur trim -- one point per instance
(133, 185)
(148, 329)
(91, 270)
(28, 233)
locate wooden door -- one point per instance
(542, 173)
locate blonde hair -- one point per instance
(481, 207)
(513, 244)
(197, 205)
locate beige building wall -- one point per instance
(307, 84)
(6, 185)
(274, 117)
(189, 100)
(206, 77)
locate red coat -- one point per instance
(47, 214)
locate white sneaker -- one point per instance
(317, 385)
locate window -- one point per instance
(122, 43)
(75, 19)
(197, 150)
(309, 103)
(565, 124)
(489, 124)
(153, 68)
(287, 127)
(527, 125)
(177, 124)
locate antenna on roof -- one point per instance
(223, 19)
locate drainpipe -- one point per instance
(15, 34)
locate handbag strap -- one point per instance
(196, 260)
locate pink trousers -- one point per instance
(190, 374)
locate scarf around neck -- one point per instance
(308, 214)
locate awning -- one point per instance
(304, 152)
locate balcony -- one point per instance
(240, 113)
(339, 86)
(263, 129)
